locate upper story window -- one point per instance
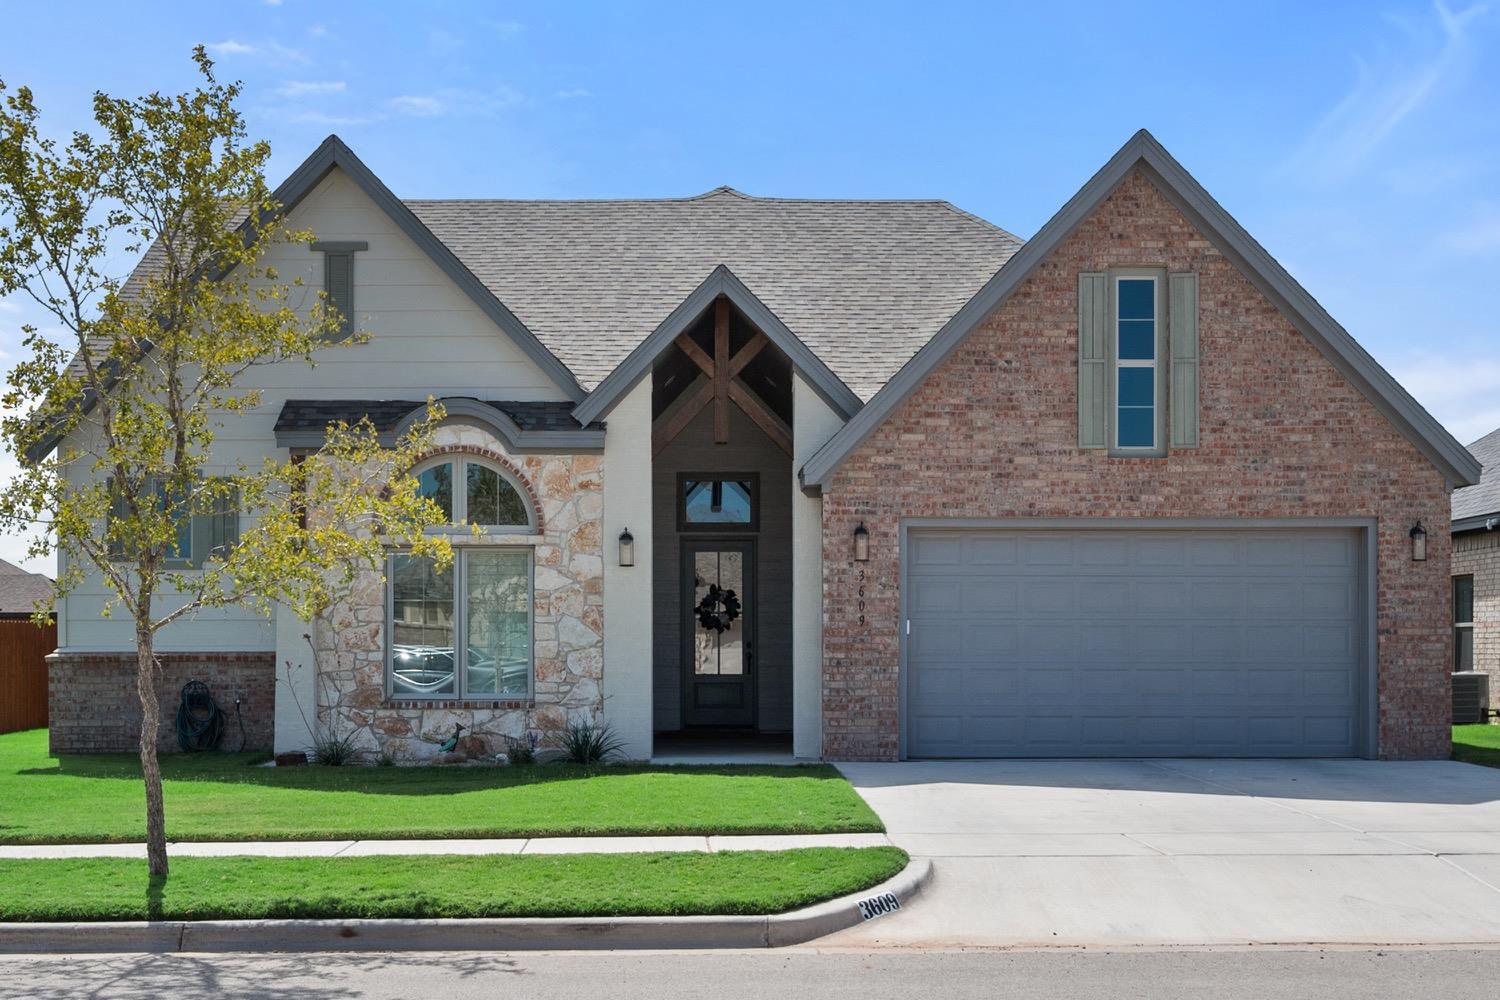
(472, 491)
(1137, 329)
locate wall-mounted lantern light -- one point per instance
(627, 548)
(1418, 542)
(861, 543)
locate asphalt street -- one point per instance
(1226, 974)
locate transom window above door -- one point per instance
(472, 491)
(716, 503)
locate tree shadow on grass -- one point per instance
(156, 891)
(416, 780)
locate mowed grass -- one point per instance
(1477, 744)
(577, 885)
(99, 799)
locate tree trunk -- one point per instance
(145, 684)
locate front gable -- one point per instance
(428, 335)
(1143, 169)
(996, 422)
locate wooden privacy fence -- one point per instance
(23, 673)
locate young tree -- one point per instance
(148, 370)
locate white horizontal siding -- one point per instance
(426, 338)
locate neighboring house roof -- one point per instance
(1143, 152)
(20, 590)
(303, 423)
(1474, 505)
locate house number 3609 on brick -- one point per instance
(861, 579)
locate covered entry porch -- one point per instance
(712, 631)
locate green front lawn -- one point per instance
(99, 799)
(568, 885)
(1477, 744)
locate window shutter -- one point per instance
(1093, 365)
(117, 512)
(338, 274)
(1182, 319)
(216, 531)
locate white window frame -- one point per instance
(461, 462)
(1458, 626)
(461, 629)
(1158, 279)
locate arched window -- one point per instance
(472, 491)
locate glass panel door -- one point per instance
(718, 631)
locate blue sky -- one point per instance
(1359, 142)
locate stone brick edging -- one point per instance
(520, 934)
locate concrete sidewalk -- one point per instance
(510, 845)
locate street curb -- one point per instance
(518, 934)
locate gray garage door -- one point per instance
(1090, 643)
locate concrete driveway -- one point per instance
(1156, 852)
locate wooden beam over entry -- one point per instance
(721, 370)
(721, 388)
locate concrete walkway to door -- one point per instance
(1189, 852)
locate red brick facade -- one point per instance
(94, 708)
(993, 433)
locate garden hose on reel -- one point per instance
(200, 723)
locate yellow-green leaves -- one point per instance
(140, 377)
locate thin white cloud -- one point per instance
(574, 94)
(506, 28)
(1462, 392)
(1384, 95)
(454, 102)
(417, 105)
(310, 88)
(230, 47)
(1481, 235)
(326, 119)
(273, 52)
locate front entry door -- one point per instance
(718, 665)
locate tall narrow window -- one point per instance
(1463, 623)
(1136, 363)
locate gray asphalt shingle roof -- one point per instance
(863, 283)
(385, 414)
(20, 590)
(1484, 496)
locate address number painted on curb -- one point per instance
(878, 906)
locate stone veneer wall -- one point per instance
(993, 432)
(1477, 553)
(567, 491)
(93, 706)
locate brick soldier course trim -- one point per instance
(992, 432)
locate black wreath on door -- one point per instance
(718, 609)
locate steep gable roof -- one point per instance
(1143, 152)
(1473, 505)
(334, 154)
(863, 284)
(721, 282)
